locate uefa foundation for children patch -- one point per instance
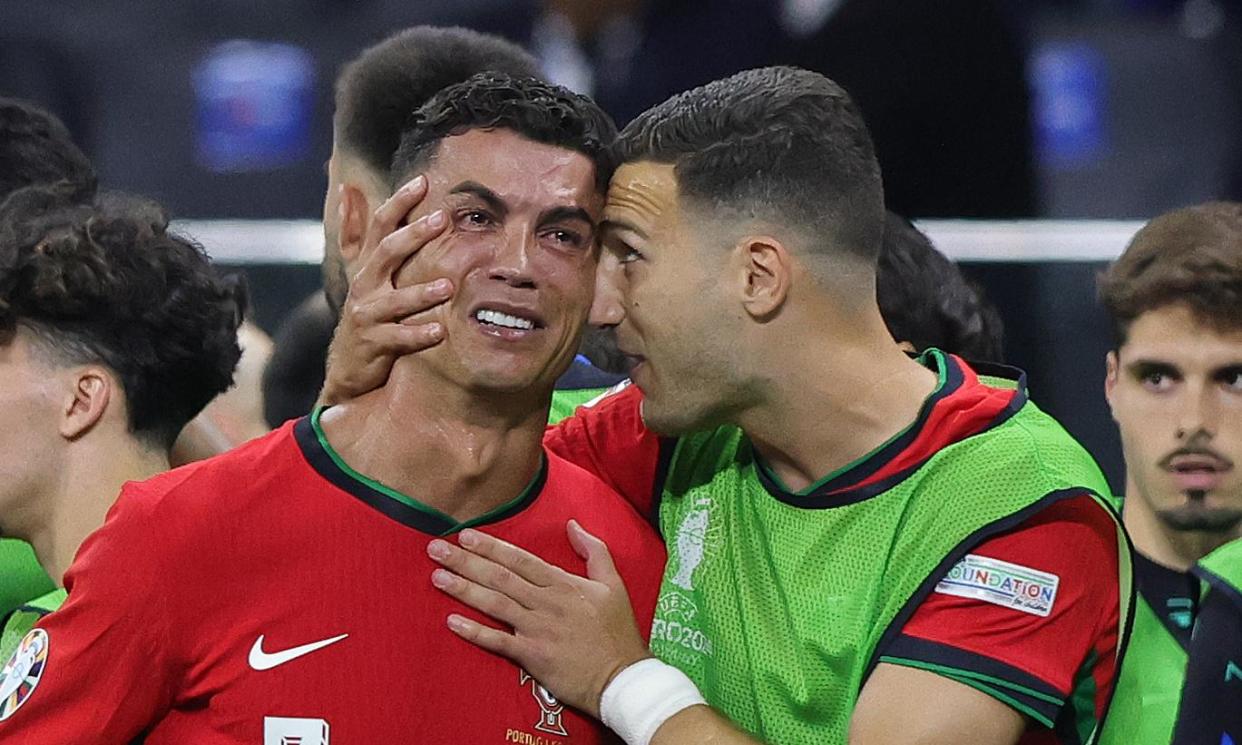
(21, 674)
(1001, 583)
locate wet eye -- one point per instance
(475, 219)
(629, 255)
(567, 238)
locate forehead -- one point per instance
(1174, 333)
(642, 196)
(520, 171)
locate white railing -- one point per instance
(301, 241)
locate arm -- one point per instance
(917, 707)
(380, 321)
(99, 669)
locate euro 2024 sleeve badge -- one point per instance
(21, 674)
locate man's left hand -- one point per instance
(573, 634)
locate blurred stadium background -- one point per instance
(1026, 136)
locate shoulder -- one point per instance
(581, 495)
(199, 489)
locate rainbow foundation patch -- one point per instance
(1001, 583)
(21, 674)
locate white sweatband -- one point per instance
(644, 696)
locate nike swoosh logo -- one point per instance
(260, 660)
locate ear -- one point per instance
(767, 275)
(1111, 371)
(92, 390)
(355, 217)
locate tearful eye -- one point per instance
(476, 218)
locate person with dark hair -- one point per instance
(1174, 384)
(312, 543)
(863, 546)
(35, 148)
(926, 302)
(113, 334)
(375, 96)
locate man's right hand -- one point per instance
(379, 321)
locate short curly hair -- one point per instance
(539, 111)
(1191, 256)
(105, 282)
(35, 148)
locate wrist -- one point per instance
(643, 696)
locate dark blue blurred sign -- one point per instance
(255, 102)
(1070, 104)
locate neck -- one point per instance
(79, 500)
(1175, 549)
(864, 387)
(459, 452)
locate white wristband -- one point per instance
(644, 696)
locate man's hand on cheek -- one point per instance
(379, 321)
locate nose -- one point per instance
(511, 261)
(1197, 417)
(608, 308)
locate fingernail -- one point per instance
(435, 329)
(441, 285)
(442, 579)
(417, 182)
(468, 538)
(457, 623)
(438, 549)
(436, 219)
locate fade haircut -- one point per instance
(539, 111)
(378, 91)
(35, 148)
(105, 283)
(1191, 256)
(925, 299)
(778, 144)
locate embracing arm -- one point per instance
(578, 637)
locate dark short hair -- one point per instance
(35, 148)
(1191, 256)
(925, 299)
(776, 143)
(377, 92)
(105, 282)
(539, 111)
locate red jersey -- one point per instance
(272, 595)
(1056, 669)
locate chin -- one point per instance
(1197, 517)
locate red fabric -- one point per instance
(167, 599)
(1075, 540)
(610, 440)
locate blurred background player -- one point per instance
(114, 334)
(1174, 383)
(290, 538)
(35, 148)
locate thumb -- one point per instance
(596, 555)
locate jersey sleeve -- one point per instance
(1031, 617)
(97, 669)
(608, 438)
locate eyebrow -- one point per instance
(629, 227)
(492, 199)
(558, 214)
(1145, 366)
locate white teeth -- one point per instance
(496, 318)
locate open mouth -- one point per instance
(508, 322)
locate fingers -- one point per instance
(486, 637)
(402, 303)
(396, 246)
(595, 552)
(494, 604)
(483, 571)
(521, 562)
(397, 340)
(390, 214)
